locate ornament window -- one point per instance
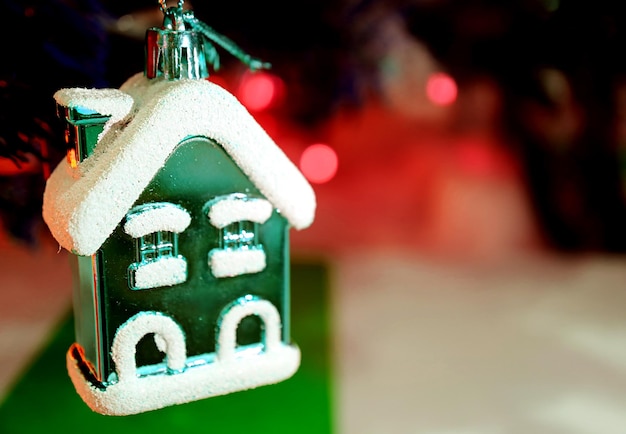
(155, 228)
(239, 235)
(157, 245)
(238, 218)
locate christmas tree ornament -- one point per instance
(177, 207)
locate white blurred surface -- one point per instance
(535, 345)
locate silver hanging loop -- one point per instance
(172, 16)
(163, 5)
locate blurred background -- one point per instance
(524, 98)
(469, 161)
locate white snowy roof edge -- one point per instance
(82, 206)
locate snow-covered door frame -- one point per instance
(231, 316)
(168, 335)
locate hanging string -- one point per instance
(224, 42)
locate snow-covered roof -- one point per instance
(83, 205)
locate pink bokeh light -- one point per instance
(441, 89)
(319, 163)
(259, 90)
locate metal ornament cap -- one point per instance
(173, 52)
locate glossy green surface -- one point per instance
(86, 307)
(197, 172)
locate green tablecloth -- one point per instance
(44, 399)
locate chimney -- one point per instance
(82, 128)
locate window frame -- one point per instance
(238, 218)
(155, 228)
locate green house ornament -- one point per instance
(177, 206)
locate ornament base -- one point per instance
(151, 392)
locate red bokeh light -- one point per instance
(259, 90)
(441, 89)
(319, 163)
